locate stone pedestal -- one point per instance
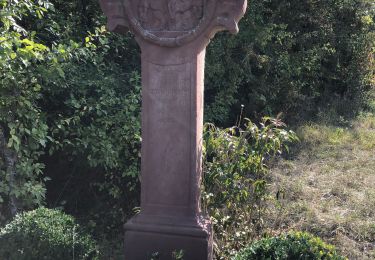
(145, 239)
(173, 35)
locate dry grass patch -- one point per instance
(329, 187)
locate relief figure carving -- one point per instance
(185, 14)
(152, 14)
(172, 23)
(175, 15)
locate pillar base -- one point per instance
(144, 238)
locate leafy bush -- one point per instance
(235, 178)
(23, 130)
(294, 245)
(45, 234)
(292, 60)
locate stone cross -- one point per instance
(173, 35)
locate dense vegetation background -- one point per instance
(70, 94)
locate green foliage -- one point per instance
(291, 246)
(235, 178)
(98, 119)
(96, 124)
(23, 130)
(45, 234)
(178, 254)
(93, 116)
(293, 57)
(67, 95)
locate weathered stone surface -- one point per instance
(173, 35)
(173, 22)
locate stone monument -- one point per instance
(173, 35)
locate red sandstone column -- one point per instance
(173, 35)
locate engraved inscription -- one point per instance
(170, 15)
(168, 131)
(170, 86)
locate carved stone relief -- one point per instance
(172, 23)
(170, 15)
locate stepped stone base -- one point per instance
(146, 239)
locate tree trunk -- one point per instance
(10, 158)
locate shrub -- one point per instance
(290, 60)
(237, 160)
(294, 245)
(45, 234)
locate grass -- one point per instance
(329, 186)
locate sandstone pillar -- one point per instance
(173, 35)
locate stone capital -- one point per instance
(173, 23)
